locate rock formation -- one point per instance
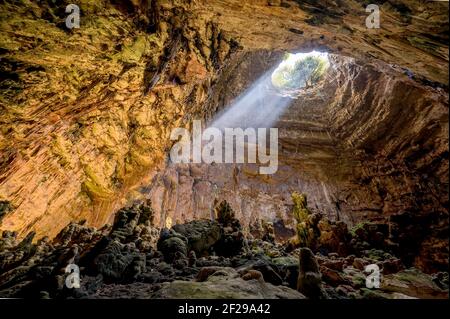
(121, 261)
(309, 277)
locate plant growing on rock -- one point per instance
(356, 228)
(305, 233)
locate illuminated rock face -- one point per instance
(344, 144)
(86, 114)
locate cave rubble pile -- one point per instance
(198, 259)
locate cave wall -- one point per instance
(83, 120)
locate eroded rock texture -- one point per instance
(351, 145)
(121, 261)
(86, 115)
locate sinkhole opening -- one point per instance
(299, 71)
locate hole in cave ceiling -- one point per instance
(300, 71)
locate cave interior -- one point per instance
(86, 177)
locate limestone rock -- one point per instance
(413, 283)
(200, 234)
(309, 278)
(225, 283)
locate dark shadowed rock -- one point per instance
(309, 278)
(119, 262)
(172, 244)
(201, 234)
(5, 208)
(225, 214)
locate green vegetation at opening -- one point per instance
(301, 70)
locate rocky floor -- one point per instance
(204, 259)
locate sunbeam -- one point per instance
(259, 106)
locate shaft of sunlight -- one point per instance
(260, 106)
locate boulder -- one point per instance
(126, 220)
(118, 262)
(173, 246)
(309, 280)
(230, 243)
(414, 283)
(268, 271)
(333, 277)
(360, 263)
(200, 234)
(252, 274)
(232, 239)
(225, 283)
(225, 214)
(287, 269)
